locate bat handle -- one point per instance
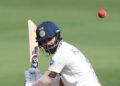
(34, 63)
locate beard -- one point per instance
(51, 49)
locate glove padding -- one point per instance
(32, 75)
(28, 83)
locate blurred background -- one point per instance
(97, 38)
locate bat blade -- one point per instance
(33, 45)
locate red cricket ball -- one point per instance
(102, 13)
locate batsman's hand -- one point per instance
(31, 75)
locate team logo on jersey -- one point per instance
(42, 32)
(52, 62)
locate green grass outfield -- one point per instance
(98, 39)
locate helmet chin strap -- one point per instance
(50, 50)
(44, 52)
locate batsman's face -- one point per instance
(49, 43)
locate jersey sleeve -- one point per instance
(57, 63)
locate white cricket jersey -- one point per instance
(73, 66)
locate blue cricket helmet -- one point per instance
(46, 30)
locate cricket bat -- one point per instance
(33, 45)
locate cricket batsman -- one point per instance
(67, 61)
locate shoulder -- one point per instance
(60, 54)
(67, 47)
(64, 45)
(71, 49)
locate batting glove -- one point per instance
(31, 75)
